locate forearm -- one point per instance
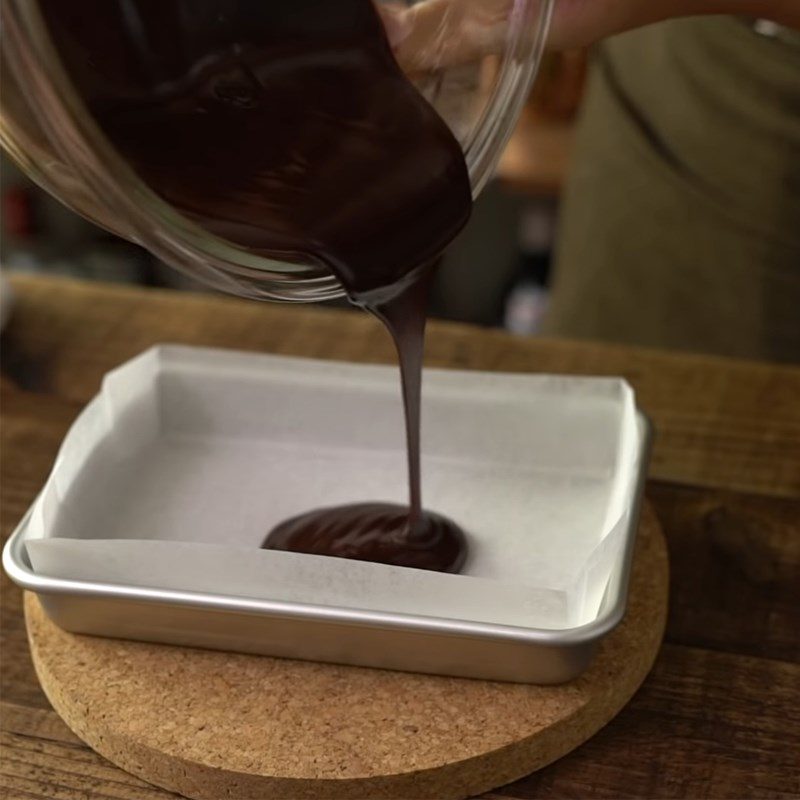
(441, 32)
(580, 22)
(785, 12)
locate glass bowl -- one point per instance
(45, 127)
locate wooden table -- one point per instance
(720, 714)
(537, 157)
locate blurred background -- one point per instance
(512, 228)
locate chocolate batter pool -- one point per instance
(287, 128)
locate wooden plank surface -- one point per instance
(720, 423)
(720, 714)
(537, 157)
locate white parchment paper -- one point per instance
(173, 476)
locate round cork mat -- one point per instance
(210, 725)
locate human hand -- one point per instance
(439, 33)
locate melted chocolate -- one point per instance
(287, 128)
(381, 532)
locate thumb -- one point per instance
(444, 33)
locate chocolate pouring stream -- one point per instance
(287, 128)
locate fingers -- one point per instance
(444, 33)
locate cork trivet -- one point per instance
(211, 725)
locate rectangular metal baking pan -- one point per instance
(334, 634)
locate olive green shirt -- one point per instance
(681, 221)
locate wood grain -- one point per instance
(720, 423)
(536, 159)
(717, 718)
(704, 725)
(259, 727)
(735, 570)
(34, 766)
